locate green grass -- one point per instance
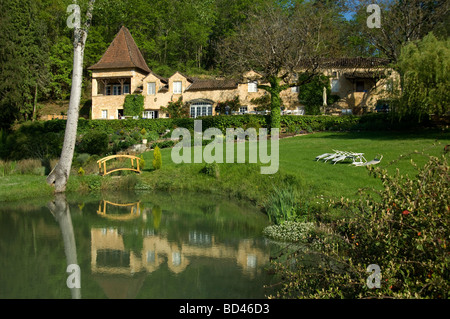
(244, 181)
(19, 187)
(297, 157)
(297, 165)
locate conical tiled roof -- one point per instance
(122, 53)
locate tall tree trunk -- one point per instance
(275, 89)
(33, 117)
(60, 174)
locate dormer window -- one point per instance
(252, 86)
(151, 89)
(177, 87)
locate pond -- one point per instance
(128, 245)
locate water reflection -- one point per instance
(133, 246)
(135, 210)
(109, 255)
(61, 211)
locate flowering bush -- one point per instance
(291, 231)
(404, 229)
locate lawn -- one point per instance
(297, 166)
(297, 157)
(297, 163)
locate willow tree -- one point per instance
(279, 42)
(60, 174)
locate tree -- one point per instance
(23, 58)
(277, 43)
(425, 66)
(177, 109)
(402, 21)
(228, 106)
(59, 176)
(311, 94)
(157, 159)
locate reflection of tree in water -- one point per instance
(60, 209)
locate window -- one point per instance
(126, 89)
(253, 86)
(335, 86)
(200, 109)
(295, 89)
(108, 90)
(151, 88)
(150, 256)
(149, 115)
(105, 114)
(117, 90)
(359, 86)
(243, 109)
(390, 86)
(177, 87)
(347, 111)
(176, 258)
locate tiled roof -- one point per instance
(364, 75)
(122, 53)
(356, 62)
(204, 85)
(162, 79)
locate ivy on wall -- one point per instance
(133, 105)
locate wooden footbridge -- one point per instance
(134, 164)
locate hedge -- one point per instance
(374, 121)
(44, 138)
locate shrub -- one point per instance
(81, 159)
(94, 142)
(290, 231)
(163, 144)
(404, 229)
(81, 172)
(142, 162)
(29, 166)
(7, 167)
(152, 136)
(157, 159)
(211, 169)
(281, 204)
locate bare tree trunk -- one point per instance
(60, 174)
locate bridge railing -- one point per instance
(135, 161)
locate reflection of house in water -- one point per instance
(109, 256)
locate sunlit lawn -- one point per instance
(297, 164)
(297, 158)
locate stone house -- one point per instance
(122, 70)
